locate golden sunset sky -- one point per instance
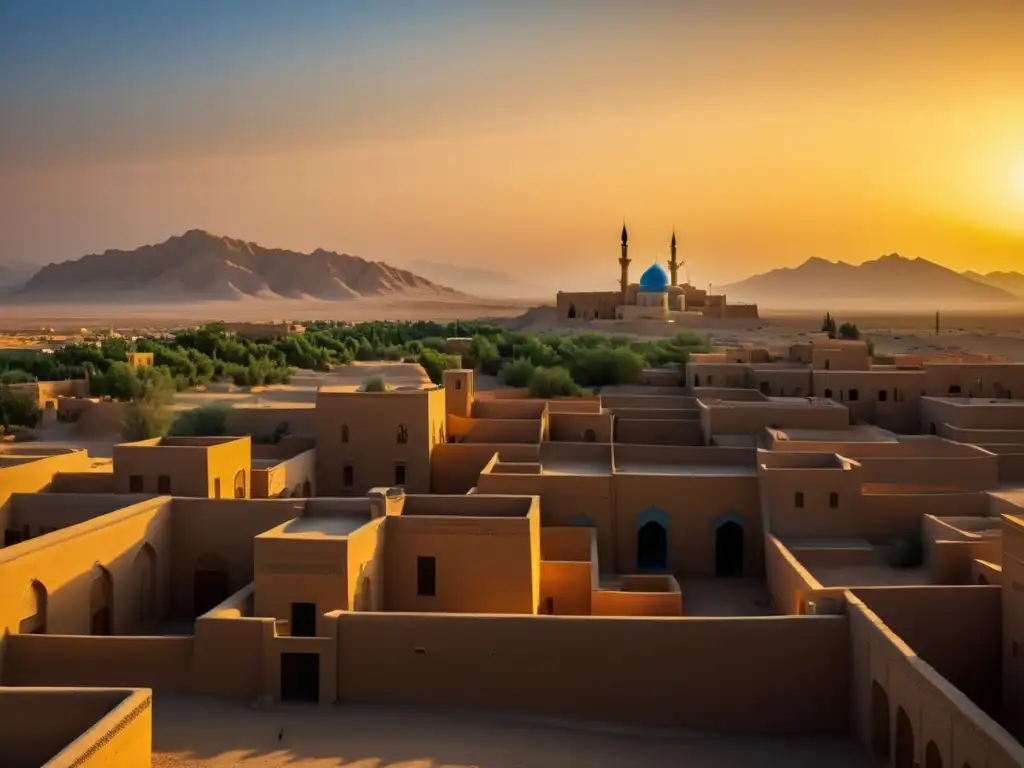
(518, 138)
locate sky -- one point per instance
(519, 136)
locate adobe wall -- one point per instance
(966, 473)
(288, 478)
(493, 431)
(782, 382)
(246, 642)
(728, 375)
(528, 409)
(567, 587)
(83, 482)
(884, 515)
(952, 562)
(35, 476)
(579, 308)
(611, 602)
(581, 427)
(957, 630)
(658, 432)
(935, 710)
(83, 727)
(93, 418)
(55, 510)
(187, 468)
(162, 663)
(1013, 623)
(798, 500)
(300, 570)
(223, 528)
(563, 499)
(695, 506)
(66, 562)
(984, 380)
(789, 582)
(455, 467)
(687, 668)
(482, 565)
(661, 377)
(365, 565)
(740, 419)
(672, 402)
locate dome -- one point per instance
(654, 279)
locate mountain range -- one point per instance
(201, 266)
(893, 280)
(1012, 282)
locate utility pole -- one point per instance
(936, 323)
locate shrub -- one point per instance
(436, 363)
(16, 377)
(375, 384)
(553, 382)
(849, 331)
(209, 420)
(517, 373)
(17, 409)
(143, 421)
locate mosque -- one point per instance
(658, 296)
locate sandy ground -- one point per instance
(68, 317)
(192, 732)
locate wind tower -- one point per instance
(673, 265)
(624, 263)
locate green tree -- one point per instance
(553, 382)
(17, 409)
(517, 373)
(849, 331)
(436, 363)
(205, 421)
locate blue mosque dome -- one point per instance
(654, 279)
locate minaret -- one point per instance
(673, 265)
(624, 263)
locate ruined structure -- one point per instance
(776, 547)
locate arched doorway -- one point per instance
(240, 484)
(572, 312)
(101, 602)
(903, 755)
(932, 756)
(144, 581)
(880, 736)
(652, 540)
(729, 549)
(589, 436)
(34, 610)
(210, 583)
(652, 547)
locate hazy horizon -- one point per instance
(517, 138)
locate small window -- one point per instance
(955, 389)
(135, 484)
(833, 500)
(163, 484)
(709, 380)
(399, 474)
(303, 620)
(882, 395)
(403, 434)
(458, 383)
(216, 487)
(696, 379)
(828, 392)
(426, 576)
(344, 433)
(549, 606)
(347, 478)
(799, 500)
(854, 395)
(589, 436)
(828, 363)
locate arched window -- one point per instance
(589, 436)
(572, 311)
(854, 395)
(240, 484)
(403, 434)
(882, 395)
(344, 433)
(828, 393)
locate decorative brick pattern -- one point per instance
(125, 721)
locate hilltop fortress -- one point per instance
(808, 541)
(657, 299)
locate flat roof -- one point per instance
(559, 467)
(685, 470)
(317, 527)
(975, 402)
(855, 434)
